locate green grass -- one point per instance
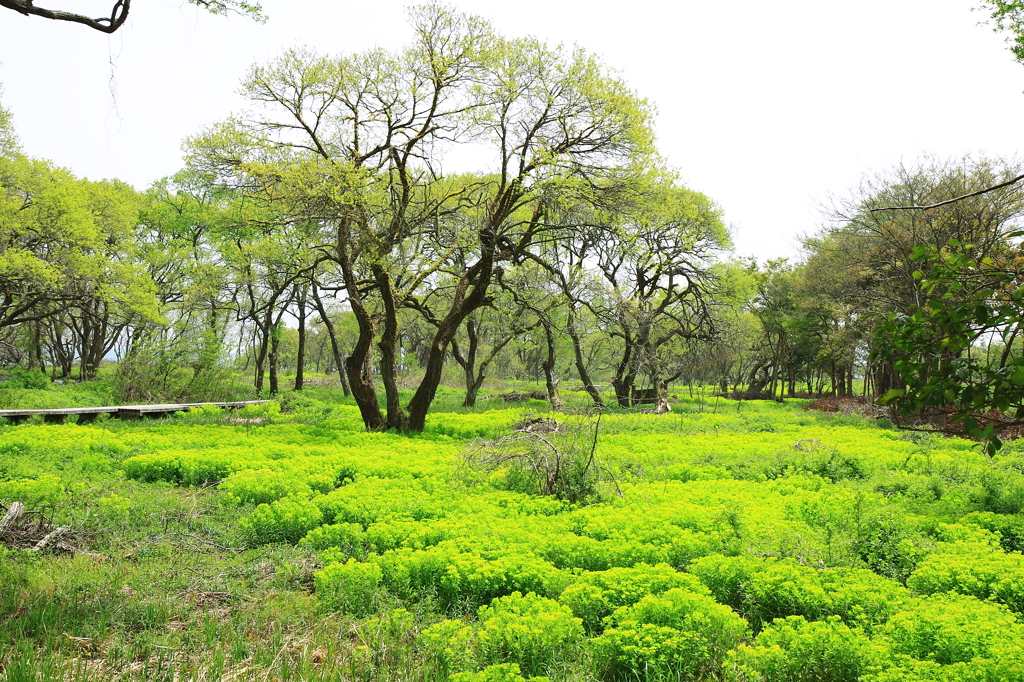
(412, 560)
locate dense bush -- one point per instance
(676, 635)
(953, 628)
(861, 597)
(344, 537)
(534, 632)
(18, 378)
(972, 568)
(45, 491)
(596, 595)
(728, 577)
(503, 672)
(784, 588)
(285, 520)
(350, 587)
(1009, 528)
(795, 650)
(463, 580)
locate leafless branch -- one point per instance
(118, 14)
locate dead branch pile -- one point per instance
(35, 531)
(536, 425)
(545, 457)
(517, 397)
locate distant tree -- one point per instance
(119, 12)
(657, 263)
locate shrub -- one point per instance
(952, 628)
(784, 588)
(561, 463)
(889, 546)
(503, 672)
(862, 597)
(45, 491)
(529, 630)
(350, 587)
(265, 486)
(1010, 529)
(370, 500)
(795, 650)
(346, 537)
(286, 520)
(976, 569)
(596, 595)
(727, 577)
(448, 646)
(19, 378)
(463, 580)
(183, 468)
(678, 635)
(1001, 491)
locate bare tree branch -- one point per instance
(118, 14)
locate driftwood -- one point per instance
(34, 531)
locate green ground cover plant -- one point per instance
(756, 542)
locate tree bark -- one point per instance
(275, 341)
(548, 365)
(623, 381)
(300, 359)
(388, 351)
(339, 358)
(581, 365)
(470, 294)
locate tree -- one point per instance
(863, 264)
(353, 146)
(951, 384)
(657, 263)
(119, 12)
(1008, 17)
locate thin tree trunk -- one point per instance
(549, 370)
(581, 365)
(339, 358)
(275, 341)
(468, 364)
(359, 366)
(470, 294)
(300, 358)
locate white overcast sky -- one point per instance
(768, 107)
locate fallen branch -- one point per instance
(31, 530)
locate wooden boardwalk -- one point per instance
(89, 414)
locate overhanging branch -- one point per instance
(118, 14)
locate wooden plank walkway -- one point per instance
(89, 414)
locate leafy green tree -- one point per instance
(351, 145)
(864, 264)
(657, 263)
(1008, 17)
(951, 384)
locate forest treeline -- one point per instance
(321, 229)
